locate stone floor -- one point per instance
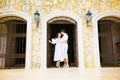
(61, 74)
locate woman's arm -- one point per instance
(51, 42)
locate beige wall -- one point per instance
(45, 7)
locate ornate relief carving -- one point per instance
(3, 3)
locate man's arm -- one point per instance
(64, 39)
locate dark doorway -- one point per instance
(52, 29)
(109, 41)
(13, 41)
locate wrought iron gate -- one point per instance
(12, 44)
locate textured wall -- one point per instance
(78, 7)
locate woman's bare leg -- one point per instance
(58, 63)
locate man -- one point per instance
(64, 41)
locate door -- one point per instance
(116, 43)
(109, 39)
(15, 44)
(75, 45)
(49, 50)
(106, 47)
(3, 43)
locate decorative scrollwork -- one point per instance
(2, 3)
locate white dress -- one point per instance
(58, 48)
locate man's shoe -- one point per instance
(65, 66)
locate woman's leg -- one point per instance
(58, 63)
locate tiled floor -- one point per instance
(61, 74)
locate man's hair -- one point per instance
(62, 30)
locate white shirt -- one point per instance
(65, 37)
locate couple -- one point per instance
(61, 48)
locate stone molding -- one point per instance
(95, 33)
(28, 38)
(79, 35)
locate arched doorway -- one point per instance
(78, 36)
(12, 42)
(20, 16)
(53, 27)
(109, 41)
(96, 34)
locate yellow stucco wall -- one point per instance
(78, 7)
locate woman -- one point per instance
(57, 53)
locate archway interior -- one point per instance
(109, 41)
(53, 29)
(12, 42)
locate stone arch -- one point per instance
(95, 34)
(79, 30)
(28, 42)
